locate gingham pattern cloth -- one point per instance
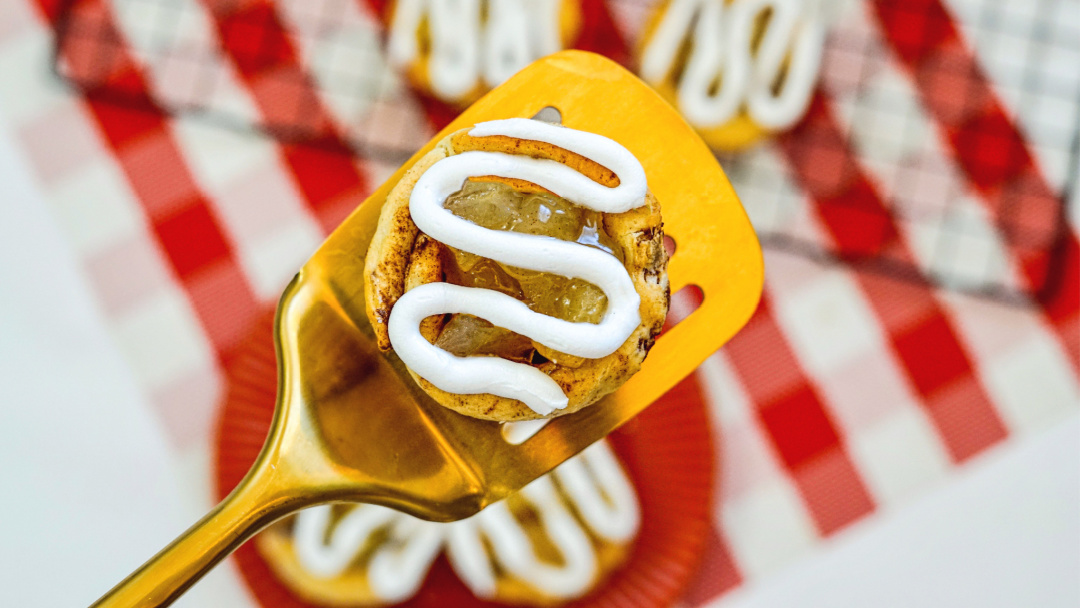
(848, 393)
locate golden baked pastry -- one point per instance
(554, 541)
(738, 70)
(402, 258)
(457, 51)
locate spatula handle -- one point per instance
(167, 575)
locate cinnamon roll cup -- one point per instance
(761, 56)
(402, 258)
(458, 55)
(543, 546)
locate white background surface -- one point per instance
(89, 488)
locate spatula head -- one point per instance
(378, 427)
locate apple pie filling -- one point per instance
(499, 206)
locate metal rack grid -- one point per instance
(959, 243)
(960, 247)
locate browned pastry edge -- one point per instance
(401, 257)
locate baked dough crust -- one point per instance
(401, 258)
(418, 70)
(739, 133)
(352, 588)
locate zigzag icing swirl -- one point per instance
(722, 34)
(473, 375)
(467, 50)
(593, 484)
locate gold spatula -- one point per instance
(351, 425)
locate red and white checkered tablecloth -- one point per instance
(848, 393)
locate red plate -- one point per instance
(667, 450)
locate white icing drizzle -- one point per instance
(721, 32)
(518, 555)
(604, 498)
(470, 559)
(397, 568)
(516, 433)
(328, 559)
(599, 497)
(467, 51)
(472, 375)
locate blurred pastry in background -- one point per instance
(554, 541)
(457, 50)
(738, 70)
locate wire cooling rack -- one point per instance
(180, 42)
(1029, 50)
